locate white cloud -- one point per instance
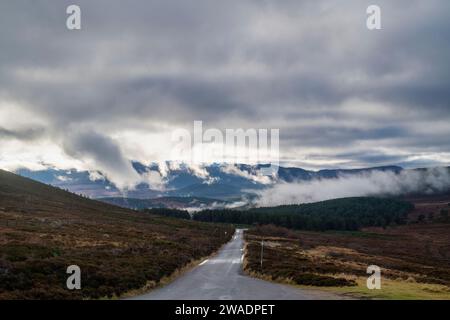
(154, 179)
(253, 176)
(375, 183)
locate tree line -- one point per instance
(174, 213)
(337, 214)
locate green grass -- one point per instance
(395, 290)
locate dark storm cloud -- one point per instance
(310, 68)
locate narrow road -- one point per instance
(222, 278)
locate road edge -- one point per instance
(152, 285)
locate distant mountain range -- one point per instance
(190, 187)
(221, 182)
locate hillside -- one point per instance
(45, 229)
(413, 258)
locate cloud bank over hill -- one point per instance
(375, 183)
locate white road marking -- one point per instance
(226, 261)
(204, 262)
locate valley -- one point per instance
(319, 250)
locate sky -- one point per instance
(342, 96)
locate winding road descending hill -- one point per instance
(221, 278)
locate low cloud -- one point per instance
(102, 154)
(155, 180)
(376, 183)
(256, 177)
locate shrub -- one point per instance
(310, 279)
(272, 231)
(174, 213)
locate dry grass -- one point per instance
(414, 260)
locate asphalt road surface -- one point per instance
(222, 278)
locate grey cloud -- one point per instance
(236, 64)
(105, 156)
(334, 136)
(24, 134)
